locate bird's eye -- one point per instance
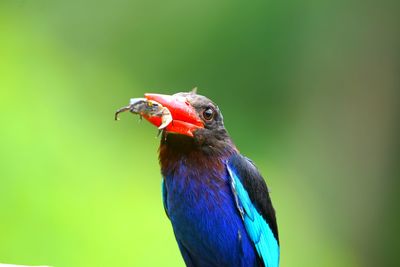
(208, 114)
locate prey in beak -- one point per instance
(148, 109)
(173, 114)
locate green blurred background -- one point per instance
(308, 89)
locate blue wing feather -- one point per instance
(164, 196)
(257, 228)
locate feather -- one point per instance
(259, 231)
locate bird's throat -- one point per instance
(179, 152)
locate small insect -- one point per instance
(148, 108)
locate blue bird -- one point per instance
(216, 199)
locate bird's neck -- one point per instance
(180, 153)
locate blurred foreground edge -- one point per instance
(13, 265)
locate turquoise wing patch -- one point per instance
(257, 228)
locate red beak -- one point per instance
(184, 117)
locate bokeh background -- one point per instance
(309, 90)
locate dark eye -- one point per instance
(208, 114)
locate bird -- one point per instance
(215, 198)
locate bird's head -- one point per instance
(184, 118)
(190, 112)
(193, 133)
(193, 117)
